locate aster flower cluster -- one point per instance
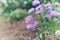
(48, 7)
(39, 10)
(31, 24)
(35, 2)
(43, 11)
(38, 7)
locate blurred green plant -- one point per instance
(58, 0)
(24, 4)
(15, 38)
(16, 14)
(14, 4)
(1, 8)
(1, 5)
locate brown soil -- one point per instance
(12, 30)
(15, 30)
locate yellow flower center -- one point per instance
(34, 25)
(48, 16)
(35, 2)
(29, 19)
(53, 12)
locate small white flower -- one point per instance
(57, 33)
(55, 19)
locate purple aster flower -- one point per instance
(56, 4)
(36, 24)
(55, 13)
(48, 16)
(31, 10)
(58, 9)
(48, 7)
(29, 26)
(39, 9)
(29, 19)
(32, 26)
(58, 15)
(35, 2)
(38, 12)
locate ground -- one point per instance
(12, 30)
(15, 30)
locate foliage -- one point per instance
(46, 15)
(20, 3)
(58, 0)
(16, 14)
(1, 5)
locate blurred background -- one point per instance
(9, 7)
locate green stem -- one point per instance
(43, 34)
